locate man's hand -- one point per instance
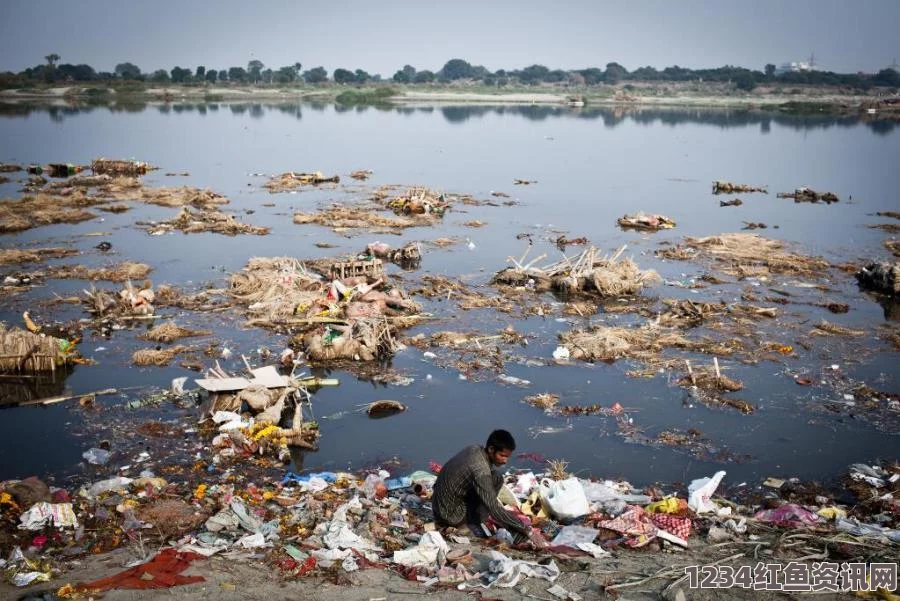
(537, 539)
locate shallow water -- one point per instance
(591, 167)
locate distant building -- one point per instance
(795, 67)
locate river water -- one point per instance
(591, 167)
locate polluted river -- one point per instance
(575, 276)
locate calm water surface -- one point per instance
(591, 167)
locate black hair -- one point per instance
(501, 440)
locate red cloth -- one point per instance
(164, 569)
(680, 527)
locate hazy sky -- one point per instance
(380, 37)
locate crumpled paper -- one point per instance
(60, 515)
(431, 552)
(506, 572)
(339, 535)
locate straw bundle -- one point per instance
(745, 254)
(159, 358)
(170, 332)
(21, 350)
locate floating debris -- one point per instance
(805, 194)
(646, 222)
(725, 187)
(290, 181)
(731, 203)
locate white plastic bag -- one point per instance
(701, 490)
(564, 498)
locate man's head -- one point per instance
(500, 445)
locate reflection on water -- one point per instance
(611, 117)
(593, 165)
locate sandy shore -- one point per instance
(455, 96)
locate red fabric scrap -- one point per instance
(165, 570)
(680, 527)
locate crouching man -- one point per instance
(466, 489)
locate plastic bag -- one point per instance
(564, 498)
(701, 490)
(96, 456)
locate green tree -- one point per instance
(533, 74)
(127, 71)
(180, 75)
(887, 78)
(52, 59)
(744, 81)
(770, 70)
(223, 75)
(361, 76)
(211, 76)
(237, 74)
(200, 73)
(614, 73)
(424, 77)
(405, 75)
(315, 75)
(592, 75)
(76, 72)
(286, 74)
(456, 68)
(160, 76)
(254, 70)
(343, 76)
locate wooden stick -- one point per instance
(690, 372)
(60, 399)
(718, 373)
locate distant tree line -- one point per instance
(455, 70)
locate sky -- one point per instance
(380, 37)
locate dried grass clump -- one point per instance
(543, 401)
(275, 287)
(290, 180)
(172, 518)
(557, 469)
(121, 272)
(338, 217)
(170, 332)
(115, 208)
(825, 328)
(185, 195)
(41, 209)
(158, 358)
(602, 343)
(893, 246)
(745, 255)
(9, 256)
(621, 277)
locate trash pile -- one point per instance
(117, 167)
(735, 202)
(744, 255)
(418, 201)
(203, 221)
(290, 181)
(643, 221)
(880, 277)
(586, 273)
(408, 256)
(130, 301)
(324, 523)
(335, 309)
(805, 194)
(723, 187)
